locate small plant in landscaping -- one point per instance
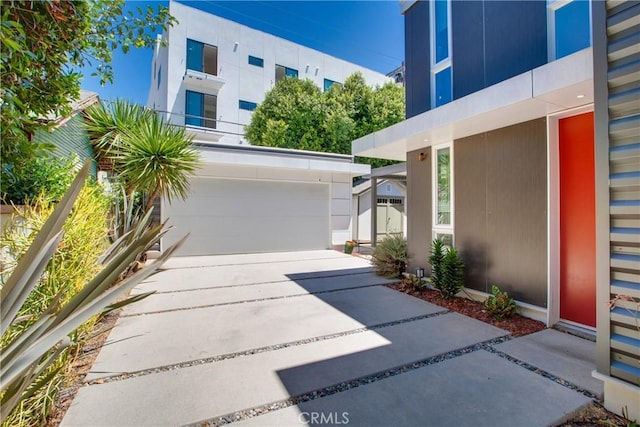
(412, 282)
(452, 271)
(499, 305)
(435, 260)
(389, 258)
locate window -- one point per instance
(441, 78)
(254, 60)
(282, 72)
(443, 192)
(201, 110)
(569, 27)
(328, 83)
(159, 76)
(202, 57)
(246, 105)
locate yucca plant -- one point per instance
(26, 357)
(389, 257)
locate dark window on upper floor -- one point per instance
(202, 57)
(159, 76)
(254, 60)
(328, 83)
(282, 72)
(201, 109)
(247, 105)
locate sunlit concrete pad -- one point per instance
(188, 278)
(477, 389)
(225, 295)
(142, 342)
(215, 389)
(564, 355)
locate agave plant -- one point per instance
(27, 356)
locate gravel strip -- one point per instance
(195, 307)
(214, 359)
(543, 373)
(344, 386)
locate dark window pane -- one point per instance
(194, 55)
(443, 87)
(246, 105)
(258, 62)
(441, 30)
(279, 73)
(210, 60)
(572, 27)
(193, 108)
(210, 111)
(290, 72)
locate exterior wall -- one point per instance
(492, 41)
(157, 97)
(419, 215)
(70, 138)
(242, 81)
(416, 53)
(501, 210)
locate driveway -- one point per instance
(311, 338)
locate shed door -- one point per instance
(577, 220)
(227, 216)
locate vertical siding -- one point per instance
(417, 62)
(500, 210)
(468, 47)
(419, 201)
(618, 130)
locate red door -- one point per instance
(577, 220)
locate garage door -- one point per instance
(227, 216)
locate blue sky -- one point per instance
(368, 33)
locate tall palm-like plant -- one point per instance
(147, 153)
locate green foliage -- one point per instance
(436, 260)
(389, 257)
(499, 305)
(46, 177)
(29, 357)
(412, 282)
(72, 265)
(46, 42)
(147, 154)
(446, 269)
(296, 114)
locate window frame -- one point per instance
(203, 60)
(287, 72)
(436, 228)
(203, 120)
(251, 106)
(443, 64)
(257, 61)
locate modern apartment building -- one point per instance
(522, 143)
(214, 72)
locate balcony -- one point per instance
(202, 82)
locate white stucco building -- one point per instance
(213, 73)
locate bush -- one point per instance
(389, 257)
(73, 264)
(412, 283)
(44, 177)
(499, 305)
(452, 271)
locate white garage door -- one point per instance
(227, 216)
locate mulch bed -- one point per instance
(516, 325)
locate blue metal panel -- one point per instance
(515, 38)
(572, 28)
(194, 55)
(417, 62)
(194, 109)
(468, 47)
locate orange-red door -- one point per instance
(577, 220)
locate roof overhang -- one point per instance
(557, 86)
(240, 156)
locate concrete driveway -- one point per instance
(308, 338)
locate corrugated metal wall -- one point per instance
(623, 75)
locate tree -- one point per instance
(45, 42)
(148, 154)
(296, 114)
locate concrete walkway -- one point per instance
(315, 337)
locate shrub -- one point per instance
(389, 258)
(499, 305)
(47, 177)
(412, 283)
(452, 270)
(436, 260)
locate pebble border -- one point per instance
(344, 386)
(219, 358)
